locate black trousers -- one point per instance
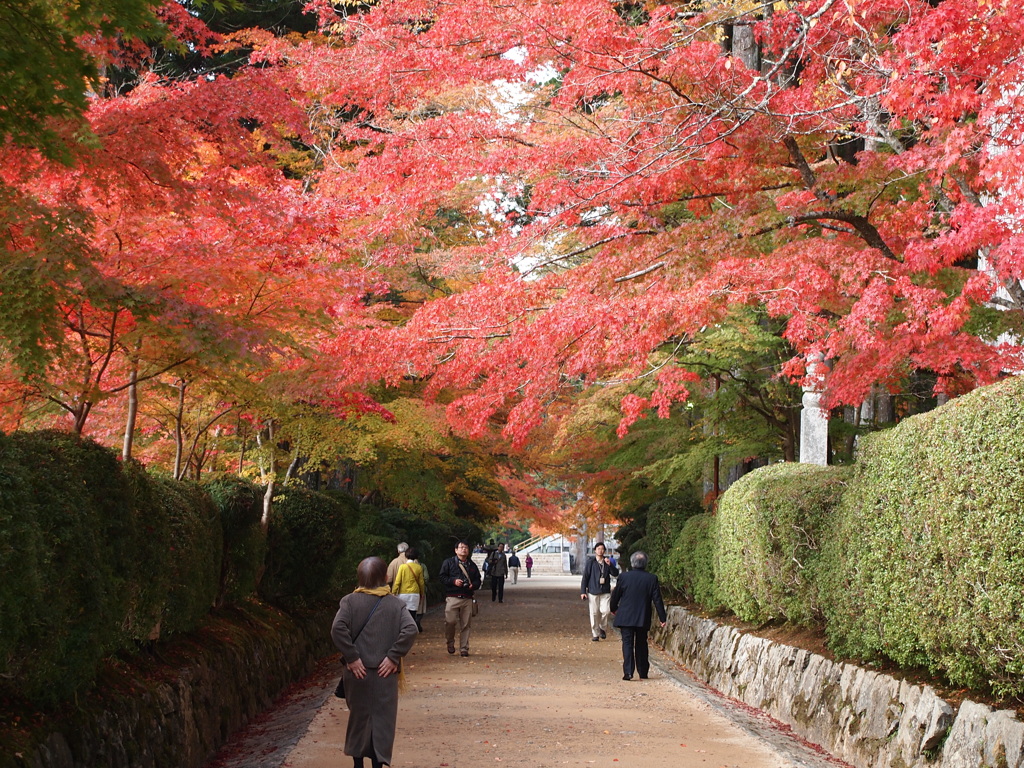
(498, 588)
(635, 651)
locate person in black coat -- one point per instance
(635, 593)
(461, 579)
(597, 583)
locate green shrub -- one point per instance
(924, 562)
(151, 588)
(67, 563)
(689, 567)
(665, 519)
(23, 554)
(305, 542)
(195, 547)
(768, 540)
(240, 504)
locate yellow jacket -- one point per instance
(409, 580)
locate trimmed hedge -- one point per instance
(665, 519)
(69, 542)
(767, 541)
(690, 565)
(915, 554)
(925, 560)
(305, 543)
(196, 547)
(95, 557)
(240, 504)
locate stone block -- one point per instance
(981, 736)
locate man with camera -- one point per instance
(461, 578)
(597, 587)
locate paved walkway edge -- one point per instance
(867, 719)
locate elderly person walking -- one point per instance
(373, 630)
(636, 596)
(395, 564)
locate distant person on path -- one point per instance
(460, 578)
(373, 630)
(529, 564)
(498, 569)
(597, 585)
(635, 592)
(411, 586)
(513, 567)
(398, 561)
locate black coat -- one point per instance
(450, 571)
(592, 573)
(634, 593)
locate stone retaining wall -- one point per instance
(181, 721)
(867, 719)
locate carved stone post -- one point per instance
(813, 418)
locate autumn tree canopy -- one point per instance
(505, 205)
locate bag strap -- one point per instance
(469, 581)
(417, 578)
(367, 621)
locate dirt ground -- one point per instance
(535, 691)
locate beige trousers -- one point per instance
(600, 610)
(458, 615)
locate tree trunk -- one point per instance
(81, 414)
(745, 47)
(789, 439)
(267, 472)
(294, 465)
(241, 436)
(133, 411)
(179, 438)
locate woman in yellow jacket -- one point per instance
(410, 586)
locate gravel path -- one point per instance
(535, 691)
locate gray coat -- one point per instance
(372, 701)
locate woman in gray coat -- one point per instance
(373, 630)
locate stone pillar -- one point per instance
(813, 418)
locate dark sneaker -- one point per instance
(451, 647)
(596, 639)
(465, 653)
(603, 634)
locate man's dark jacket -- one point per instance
(450, 571)
(632, 597)
(592, 572)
